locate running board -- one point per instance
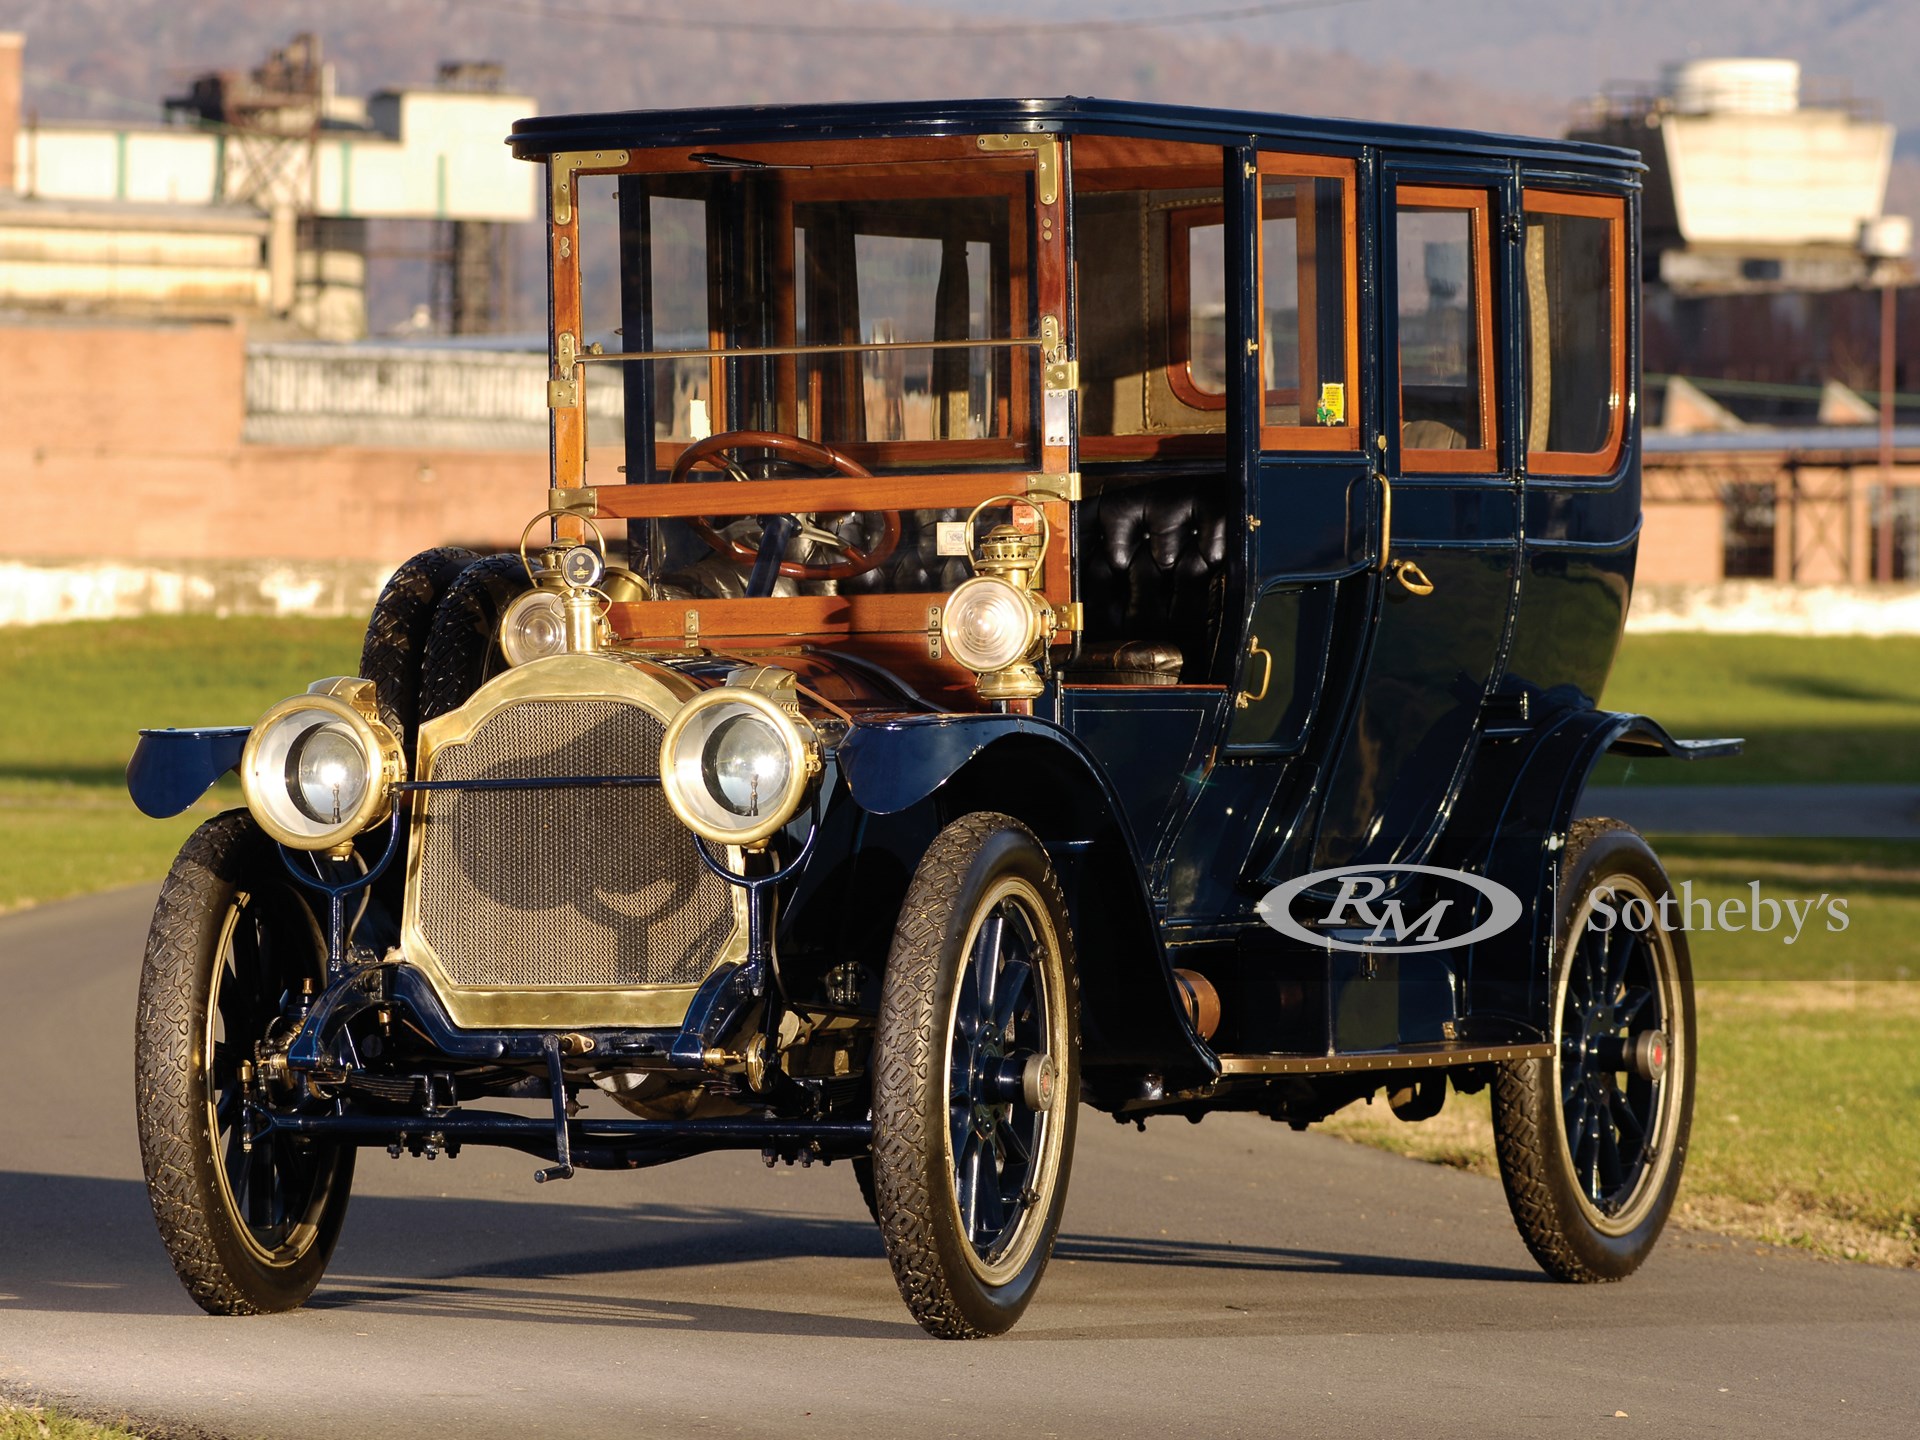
(1421, 1059)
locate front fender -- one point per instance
(171, 769)
(1135, 1021)
(893, 764)
(1511, 826)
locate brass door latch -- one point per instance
(1250, 695)
(1411, 576)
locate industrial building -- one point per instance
(254, 201)
(1779, 444)
(183, 327)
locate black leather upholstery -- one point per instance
(915, 565)
(1152, 567)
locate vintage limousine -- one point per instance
(1069, 603)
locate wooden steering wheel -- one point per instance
(805, 452)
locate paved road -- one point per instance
(1230, 1279)
(1861, 812)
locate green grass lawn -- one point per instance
(1828, 709)
(73, 699)
(24, 1422)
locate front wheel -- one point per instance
(249, 1226)
(1592, 1140)
(976, 1078)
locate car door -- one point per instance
(1448, 565)
(1312, 524)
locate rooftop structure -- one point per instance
(1754, 182)
(254, 198)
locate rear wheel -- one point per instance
(1592, 1140)
(976, 1078)
(250, 1227)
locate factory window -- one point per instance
(1576, 332)
(1748, 532)
(1445, 332)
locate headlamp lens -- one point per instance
(327, 773)
(744, 764)
(534, 627)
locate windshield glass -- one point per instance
(880, 309)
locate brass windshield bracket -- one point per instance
(560, 170)
(1054, 487)
(563, 391)
(1058, 372)
(1046, 159)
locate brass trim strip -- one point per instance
(1379, 1060)
(754, 352)
(1044, 145)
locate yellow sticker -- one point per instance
(1333, 405)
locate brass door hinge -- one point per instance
(933, 632)
(573, 501)
(1071, 616)
(1046, 159)
(691, 632)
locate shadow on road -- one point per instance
(1199, 1255)
(88, 1245)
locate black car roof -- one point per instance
(541, 136)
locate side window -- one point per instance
(1445, 329)
(1150, 259)
(1576, 331)
(1197, 306)
(1309, 330)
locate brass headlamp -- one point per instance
(319, 768)
(997, 624)
(573, 589)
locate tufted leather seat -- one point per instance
(916, 566)
(1152, 561)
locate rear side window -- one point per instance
(1309, 330)
(1446, 333)
(1576, 331)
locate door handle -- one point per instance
(1386, 522)
(1412, 576)
(1405, 571)
(1254, 652)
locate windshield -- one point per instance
(880, 308)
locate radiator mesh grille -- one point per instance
(564, 887)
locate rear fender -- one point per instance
(1511, 825)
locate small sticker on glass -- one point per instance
(950, 537)
(1333, 405)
